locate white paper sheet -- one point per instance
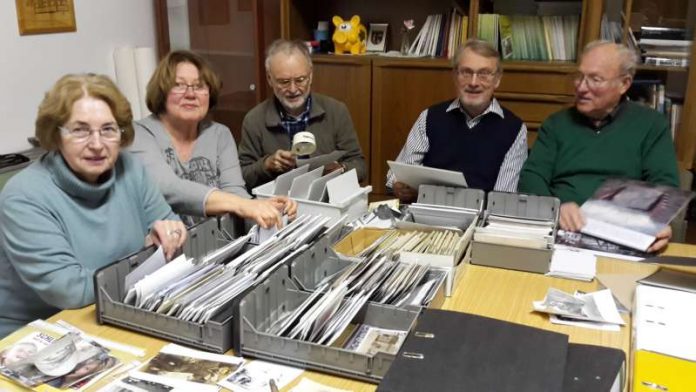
(416, 175)
(255, 376)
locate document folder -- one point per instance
(450, 351)
(594, 368)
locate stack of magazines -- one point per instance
(42, 353)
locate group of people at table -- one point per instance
(108, 185)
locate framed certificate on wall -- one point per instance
(45, 16)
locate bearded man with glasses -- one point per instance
(268, 129)
(603, 136)
(472, 134)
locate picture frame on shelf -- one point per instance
(377, 37)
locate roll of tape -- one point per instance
(303, 143)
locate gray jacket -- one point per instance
(262, 135)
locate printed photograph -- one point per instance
(377, 37)
(189, 369)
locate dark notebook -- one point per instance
(474, 353)
(593, 368)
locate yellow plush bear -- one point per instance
(349, 36)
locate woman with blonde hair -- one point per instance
(81, 206)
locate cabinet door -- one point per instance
(348, 78)
(232, 36)
(401, 90)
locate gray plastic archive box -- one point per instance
(522, 206)
(354, 206)
(320, 261)
(263, 305)
(215, 335)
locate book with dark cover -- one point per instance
(655, 32)
(450, 351)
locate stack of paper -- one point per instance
(572, 264)
(506, 230)
(598, 308)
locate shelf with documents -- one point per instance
(670, 25)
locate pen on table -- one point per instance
(272, 384)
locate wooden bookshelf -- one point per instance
(669, 12)
(398, 89)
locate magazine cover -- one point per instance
(24, 345)
(48, 355)
(598, 246)
(630, 212)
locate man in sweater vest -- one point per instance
(472, 134)
(602, 136)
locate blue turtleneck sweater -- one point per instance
(56, 230)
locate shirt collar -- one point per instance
(273, 113)
(493, 107)
(598, 125)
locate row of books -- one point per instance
(441, 34)
(661, 46)
(651, 93)
(664, 46)
(539, 38)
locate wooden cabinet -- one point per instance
(232, 35)
(398, 89)
(348, 79)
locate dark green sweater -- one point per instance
(570, 160)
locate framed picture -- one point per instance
(45, 16)
(377, 38)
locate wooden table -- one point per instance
(492, 292)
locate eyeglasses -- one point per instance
(484, 75)
(300, 81)
(594, 82)
(198, 88)
(107, 133)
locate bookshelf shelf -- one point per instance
(661, 68)
(397, 89)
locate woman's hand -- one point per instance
(264, 212)
(170, 235)
(286, 206)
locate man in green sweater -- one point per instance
(602, 136)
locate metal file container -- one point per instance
(263, 305)
(521, 206)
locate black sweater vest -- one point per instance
(477, 152)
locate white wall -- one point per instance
(30, 64)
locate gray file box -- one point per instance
(263, 305)
(520, 258)
(215, 335)
(320, 262)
